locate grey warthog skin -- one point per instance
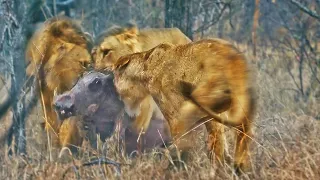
(94, 97)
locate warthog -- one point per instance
(95, 99)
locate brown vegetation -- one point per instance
(286, 141)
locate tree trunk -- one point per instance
(178, 13)
(14, 21)
(255, 26)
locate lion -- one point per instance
(118, 41)
(57, 54)
(192, 84)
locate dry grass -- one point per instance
(286, 142)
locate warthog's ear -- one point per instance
(122, 62)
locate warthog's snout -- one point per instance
(64, 106)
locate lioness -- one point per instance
(119, 41)
(57, 54)
(192, 83)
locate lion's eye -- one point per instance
(86, 64)
(95, 85)
(106, 52)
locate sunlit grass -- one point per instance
(286, 142)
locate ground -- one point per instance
(285, 145)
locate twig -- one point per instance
(306, 10)
(213, 22)
(43, 104)
(291, 75)
(97, 161)
(64, 3)
(314, 72)
(162, 139)
(5, 105)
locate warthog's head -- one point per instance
(95, 99)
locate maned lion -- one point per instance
(57, 54)
(191, 84)
(119, 41)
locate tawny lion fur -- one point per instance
(119, 41)
(191, 84)
(57, 54)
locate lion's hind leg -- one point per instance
(182, 134)
(243, 109)
(214, 97)
(215, 142)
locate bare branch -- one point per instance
(6, 101)
(213, 22)
(306, 10)
(64, 3)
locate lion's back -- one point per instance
(198, 61)
(150, 38)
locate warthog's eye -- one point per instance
(95, 85)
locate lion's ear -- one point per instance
(129, 35)
(122, 62)
(127, 38)
(132, 30)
